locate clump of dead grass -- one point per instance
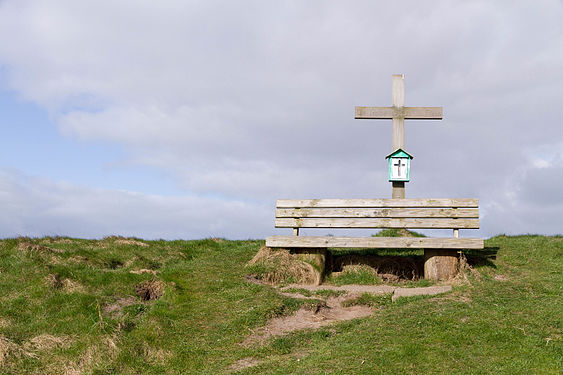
(47, 342)
(57, 240)
(124, 241)
(10, 350)
(104, 350)
(464, 270)
(35, 248)
(150, 290)
(54, 281)
(143, 270)
(280, 267)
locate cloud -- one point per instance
(252, 101)
(37, 207)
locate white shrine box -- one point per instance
(399, 165)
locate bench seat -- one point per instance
(374, 242)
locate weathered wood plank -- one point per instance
(375, 242)
(378, 212)
(411, 113)
(398, 125)
(430, 223)
(379, 203)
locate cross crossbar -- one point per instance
(385, 113)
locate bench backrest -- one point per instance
(454, 214)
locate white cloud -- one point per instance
(252, 101)
(36, 207)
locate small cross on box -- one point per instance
(399, 165)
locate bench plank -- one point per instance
(376, 212)
(374, 242)
(431, 223)
(378, 203)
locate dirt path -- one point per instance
(333, 310)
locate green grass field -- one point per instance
(69, 306)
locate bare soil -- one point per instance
(150, 290)
(333, 309)
(116, 307)
(306, 318)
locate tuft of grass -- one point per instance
(398, 232)
(354, 274)
(279, 267)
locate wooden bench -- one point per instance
(453, 214)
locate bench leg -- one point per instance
(440, 264)
(316, 257)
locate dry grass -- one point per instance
(150, 290)
(10, 350)
(56, 282)
(156, 355)
(388, 268)
(47, 342)
(142, 270)
(106, 349)
(31, 247)
(111, 240)
(57, 240)
(243, 363)
(464, 270)
(279, 267)
(126, 241)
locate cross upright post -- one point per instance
(398, 113)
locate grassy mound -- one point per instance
(73, 306)
(279, 267)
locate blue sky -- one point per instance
(189, 119)
(32, 144)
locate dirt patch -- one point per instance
(243, 363)
(150, 290)
(310, 318)
(279, 266)
(427, 291)
(349, 289)
(501, 278)
(116, 307)
(330, 309)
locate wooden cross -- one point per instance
(398, 113)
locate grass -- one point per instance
(70, 306)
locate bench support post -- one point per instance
(440, 264)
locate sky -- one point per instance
(188, 119)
